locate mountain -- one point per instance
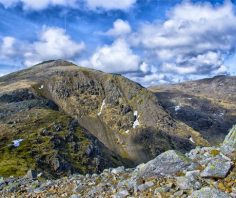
(208, 105)
(59, 118)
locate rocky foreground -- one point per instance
(203, 172)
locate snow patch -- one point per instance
(189, 98)
(41, 87)
(221, 114)
(103, 104)
(16, 143)
(177, 108)
(127, 131)
(136, 122)
(191, 139)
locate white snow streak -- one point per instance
(136, 122)
(103, 104)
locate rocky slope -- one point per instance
(204, 172)
(62, 118)
(208, 106)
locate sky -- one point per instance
(149, 41)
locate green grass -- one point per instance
(16, 161)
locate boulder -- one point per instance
(167, 163)
(189, 181)
(208, 192)
(217, 169)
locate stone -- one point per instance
(118, 170)
(167, 163)
(178, 193)
(157, 194)
(208, 192)
(217, 169)
(78, 188)
(74, 196)
(189, 181)
(31, 174)
(122, 194)
(145, 186)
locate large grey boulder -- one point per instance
(217, 169)
(167, 163)
(208, 192)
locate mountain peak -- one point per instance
(55, 63)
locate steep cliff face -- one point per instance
(119, 117)
(208, 106)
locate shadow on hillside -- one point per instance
(211, 120)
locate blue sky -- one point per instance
(149, 41)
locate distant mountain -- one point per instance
(208, 105)
(59, 118)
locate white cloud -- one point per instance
(110, 4)
(194, 39)
(144, 67)
(120, 28)
(39, 4)
(91, 4)
(53, 43)
(117, 57)
(7, 47)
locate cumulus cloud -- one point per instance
(110, 4)
(39, 4)
(117, 57)
(91, 4)
(120, 28)
(7, 47)
(53, 43)
(195, 39)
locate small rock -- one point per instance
(178, 193)
(157, 194)
(74, 196)
(145, 186)
(122, 194)
(118, 170)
